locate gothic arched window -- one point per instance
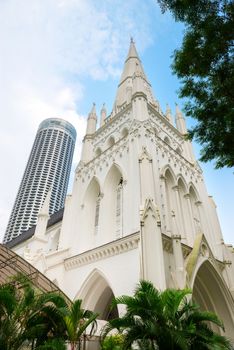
(119, 198)
(97, 210)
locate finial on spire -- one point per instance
(103, 114)
(168, 114)
(93, 110)
(168, 109)
(178, 111)
(44, 211)
(43, 217)
(132, 40)
(92, 121)
(180, 121)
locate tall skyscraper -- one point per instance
(48, 167)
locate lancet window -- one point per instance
(119, 199)
(97, 210)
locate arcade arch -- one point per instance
(195, 211)
(183, 208)
(211, 293)
(111, 205)
(91, 207)
(170, 197)
(97, 295)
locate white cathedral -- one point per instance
(139, 209)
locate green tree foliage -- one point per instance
(53, 344)
(112, 342)
(77, 322)
(205, 64)
(30, 318)
(164, 321)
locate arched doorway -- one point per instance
(211, 293)
(97, 296)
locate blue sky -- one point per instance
(57, 57)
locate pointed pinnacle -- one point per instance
(45, 206)
(179, 114)
(178, 111)
(103, 107)
(93, 110)
(132, 52)
(168, 109)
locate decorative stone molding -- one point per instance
(90, 168)
(186, 250)
(167, 244)
(221, 265)
(112, 124)
(202, 251)
(176, 237)
(150, 205)
(114, 248)
(145, 155)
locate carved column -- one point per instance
(179, 261)
(229, 271)
(178, 209)
(146, 176)
(152, 257)
(165, 205)
(190, 216)
(201, 219)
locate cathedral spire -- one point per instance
(92, 121)
(132, 61)
(181, 126)
(43, 217)
(44, 211)
(180, 121)
(103, 114)
(86, 153)
(168, 114)
(133, 80)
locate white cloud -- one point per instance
(47, 49)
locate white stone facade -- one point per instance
(139, 209)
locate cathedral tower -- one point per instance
(139, 209)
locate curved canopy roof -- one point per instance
(12, 264)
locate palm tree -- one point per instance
(41, 320)
(77, 322)
(28, 317)
(165, 320)
(8, 326)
